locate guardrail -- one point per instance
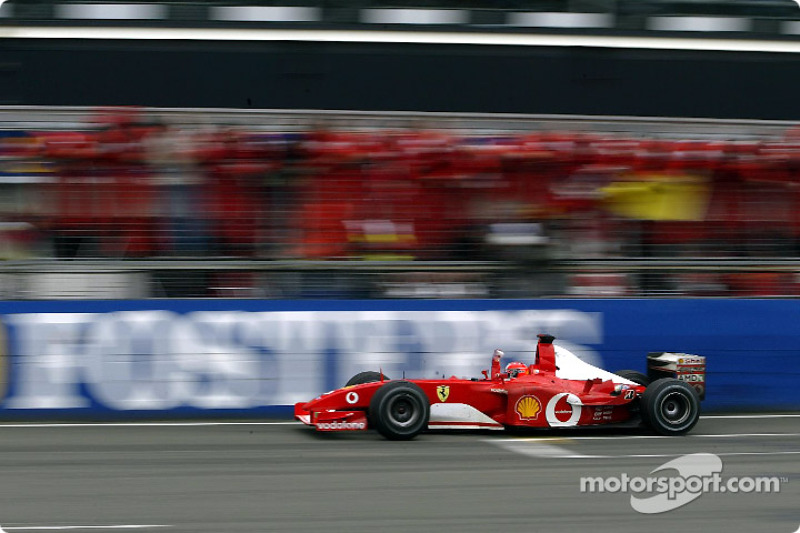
(623, 278)
(278, 120)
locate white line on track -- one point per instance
(537, 448)
(294, 422)
(144, 424)
(663, 455)
(540, 449)
(735, 417)
(627, 437)
(735, 435)
(62, 528)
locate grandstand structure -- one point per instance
(141, 203)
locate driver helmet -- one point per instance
(516, 368)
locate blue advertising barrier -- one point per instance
(257, 357)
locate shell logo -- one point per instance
(528, 407)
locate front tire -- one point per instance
(670, 407)
(399, 410)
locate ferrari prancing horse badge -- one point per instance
(443, 392)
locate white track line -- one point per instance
(537, 448)
(628, 437)
(743, 417)
(145, 424)
(62, 528)
(294, 422)
(663, 455)
(735, 435)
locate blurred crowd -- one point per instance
(129, 186)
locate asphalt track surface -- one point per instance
(254, 477)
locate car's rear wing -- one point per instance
(682, 366)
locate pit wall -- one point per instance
(231, 358)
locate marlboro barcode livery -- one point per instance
(558, 390)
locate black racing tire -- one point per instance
(670, 407)
(399, 410)
(365, 377)
(636, 377)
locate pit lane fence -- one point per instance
(400, 280)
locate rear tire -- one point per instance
(365, 377)
(399, 410)
(670, 407)
(636, 377)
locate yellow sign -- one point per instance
(443, 392)
(528, 407)
(657, 197)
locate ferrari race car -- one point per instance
(559, 390)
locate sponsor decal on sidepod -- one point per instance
(341, 425)
(528, 407)
(443, 392)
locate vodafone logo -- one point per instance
(561, 413)
(351, 398)
(341, 425)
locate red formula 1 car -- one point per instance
(559, 390)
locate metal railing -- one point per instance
(629, 278)
(281, 120)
